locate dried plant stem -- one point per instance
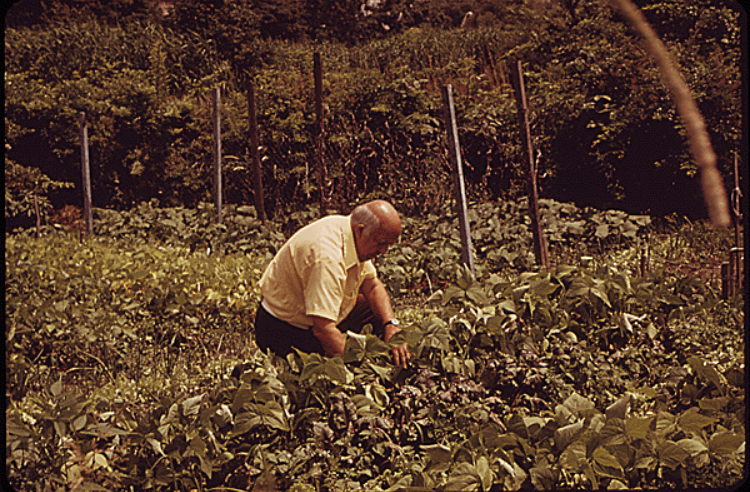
(700, 145)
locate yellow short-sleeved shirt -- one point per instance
(316, 273)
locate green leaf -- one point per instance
(713, 404)
(476, 294)
(566, 435)
(692, 446)
(438, 456)
(463, 477)
(100, 461)
(618, 409)
(601, 295)
(671, 455)
(484, 472)
(605, 458)
(588, 470)
(637, 428)
(354, 349)
(155, 445)
(272, 415)
(706, 372)
(313, 367)
(578, 405)
(693, 422)
(198, 446)
(517, 425)
(191, 406)
(79, 423)
(616, 484)
(574, 456)
(725, 442)
(56, 388)
(336, 371)
(543, 478)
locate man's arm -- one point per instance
(331, 338)
(380, 303)
(379, 300)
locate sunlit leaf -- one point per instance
(725, 442)
(566, 435)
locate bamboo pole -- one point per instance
(86, 173)
(540, 244)
(454, 154)
(700, 145)
(255, 153)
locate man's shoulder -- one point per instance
(326, 233)
(328, 224)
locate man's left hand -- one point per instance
(401, 355)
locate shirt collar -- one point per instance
(350, 249)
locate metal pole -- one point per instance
(217, 153)
(454, 154)
(86, 173)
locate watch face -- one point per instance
(394, 322)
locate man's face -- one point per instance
(370, 246)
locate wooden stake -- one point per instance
(725, 294)
(217, 153)
(319, 131)
(737, 215)
(255, 153)
(540, 245)
(38, 217)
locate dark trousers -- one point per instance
(280, 336)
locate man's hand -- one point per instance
(401, 353)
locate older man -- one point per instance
(322, 283)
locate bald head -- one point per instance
(377, 215)
(376, 226)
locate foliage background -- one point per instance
(606, 130)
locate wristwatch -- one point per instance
(393, 322)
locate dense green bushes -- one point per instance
(130, 361)
(598, 108)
